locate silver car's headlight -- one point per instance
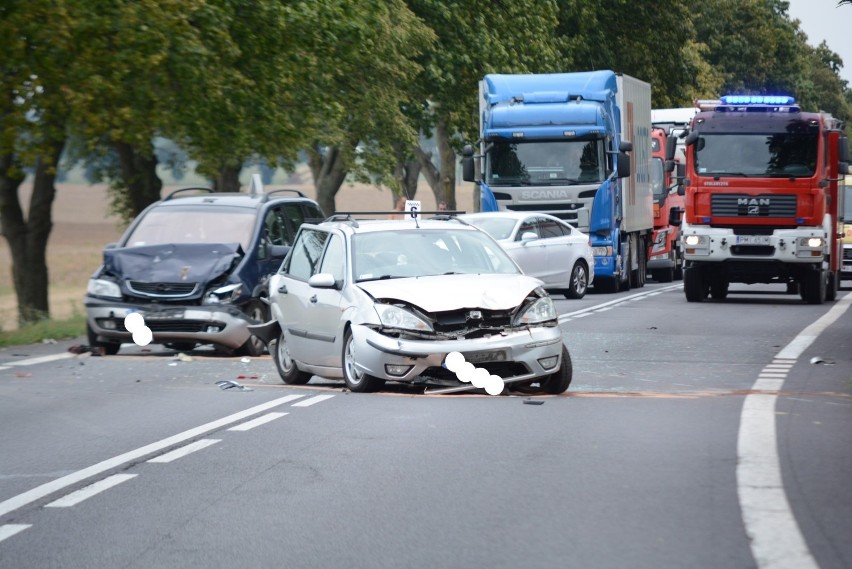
(396, 317)
(103, 288)
(539, 311)
(223, 295)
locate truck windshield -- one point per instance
(757, 155)
(545, 163)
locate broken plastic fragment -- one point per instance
(819, 360)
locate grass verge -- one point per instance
(37, 333)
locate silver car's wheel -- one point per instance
(356, 380)
(579, 281)
(287, 369)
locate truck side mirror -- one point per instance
(671, 147)
(468, 167)
(625, 146)
(623, 165)
(670, 165)
(691, 138)
(680, 176)
(676, 216)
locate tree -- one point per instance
(33, 115)
(475, 37)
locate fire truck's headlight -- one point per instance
(693, 240)
(812, 242)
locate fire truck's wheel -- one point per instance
(833, 286)
(812, 287)
(693, 286)
(579, 281)
(719, 289)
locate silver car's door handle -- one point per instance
(313, 299)
(282, 289)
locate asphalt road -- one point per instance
(693, 435)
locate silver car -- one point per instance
(544, 246)
(377, 301)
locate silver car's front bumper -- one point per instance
(223, 325)
(516, 356)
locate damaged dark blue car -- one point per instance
(196, 267)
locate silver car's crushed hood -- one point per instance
(442, 293)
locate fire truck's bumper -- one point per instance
(715, 244)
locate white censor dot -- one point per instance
(476, 376)
(135, 324)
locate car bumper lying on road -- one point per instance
(517, 356)
(223, 325)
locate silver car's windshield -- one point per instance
(419, 253)
(188, 225)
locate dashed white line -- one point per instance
(75, 498)
(48, 488)
(312, 400)
(184, 450)
(257, 422)
(8, 530)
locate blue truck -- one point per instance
(577, 146)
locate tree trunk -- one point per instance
(443, 180)
(139, 174)
(228, 179)
(28, 238)
(329, 173)
(406, 173)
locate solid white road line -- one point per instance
(775, 538)
(40, 359)
(75, 498)
(257, 422)
(569, 315)
(40, 492)
(311, 401)
(8, 530)
(184, 450)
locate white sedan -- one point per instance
(543, 246)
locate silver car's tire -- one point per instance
(287, 369)
(356, 380)
(559, 381)
(579, 281)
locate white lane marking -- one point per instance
(774, 536)
(257, 422)
(8, 530)
(184, 450)
(48, 488)
(312, 400)
(75, 498)
(40, 359)
(569, 315)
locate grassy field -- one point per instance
(83, 225)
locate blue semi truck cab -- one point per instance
(577, 146)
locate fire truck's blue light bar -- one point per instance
(758, 100)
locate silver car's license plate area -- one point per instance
(487, 356)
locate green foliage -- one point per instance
(44, 330)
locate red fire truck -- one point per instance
(762, 197)
(664, 259)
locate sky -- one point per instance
(825, 20)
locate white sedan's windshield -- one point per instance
(417, 253)
(191, 225)
(496, 227)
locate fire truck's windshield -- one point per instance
(545, 163)
(757, 155)
(658, 186)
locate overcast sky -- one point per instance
(825, 20)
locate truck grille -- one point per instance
(741, 205)
(162, 290)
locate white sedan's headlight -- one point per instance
(539, 311)
(396, 317)
(103, 288)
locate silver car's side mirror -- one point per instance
(322, 280)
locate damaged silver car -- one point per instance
(376, 301)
